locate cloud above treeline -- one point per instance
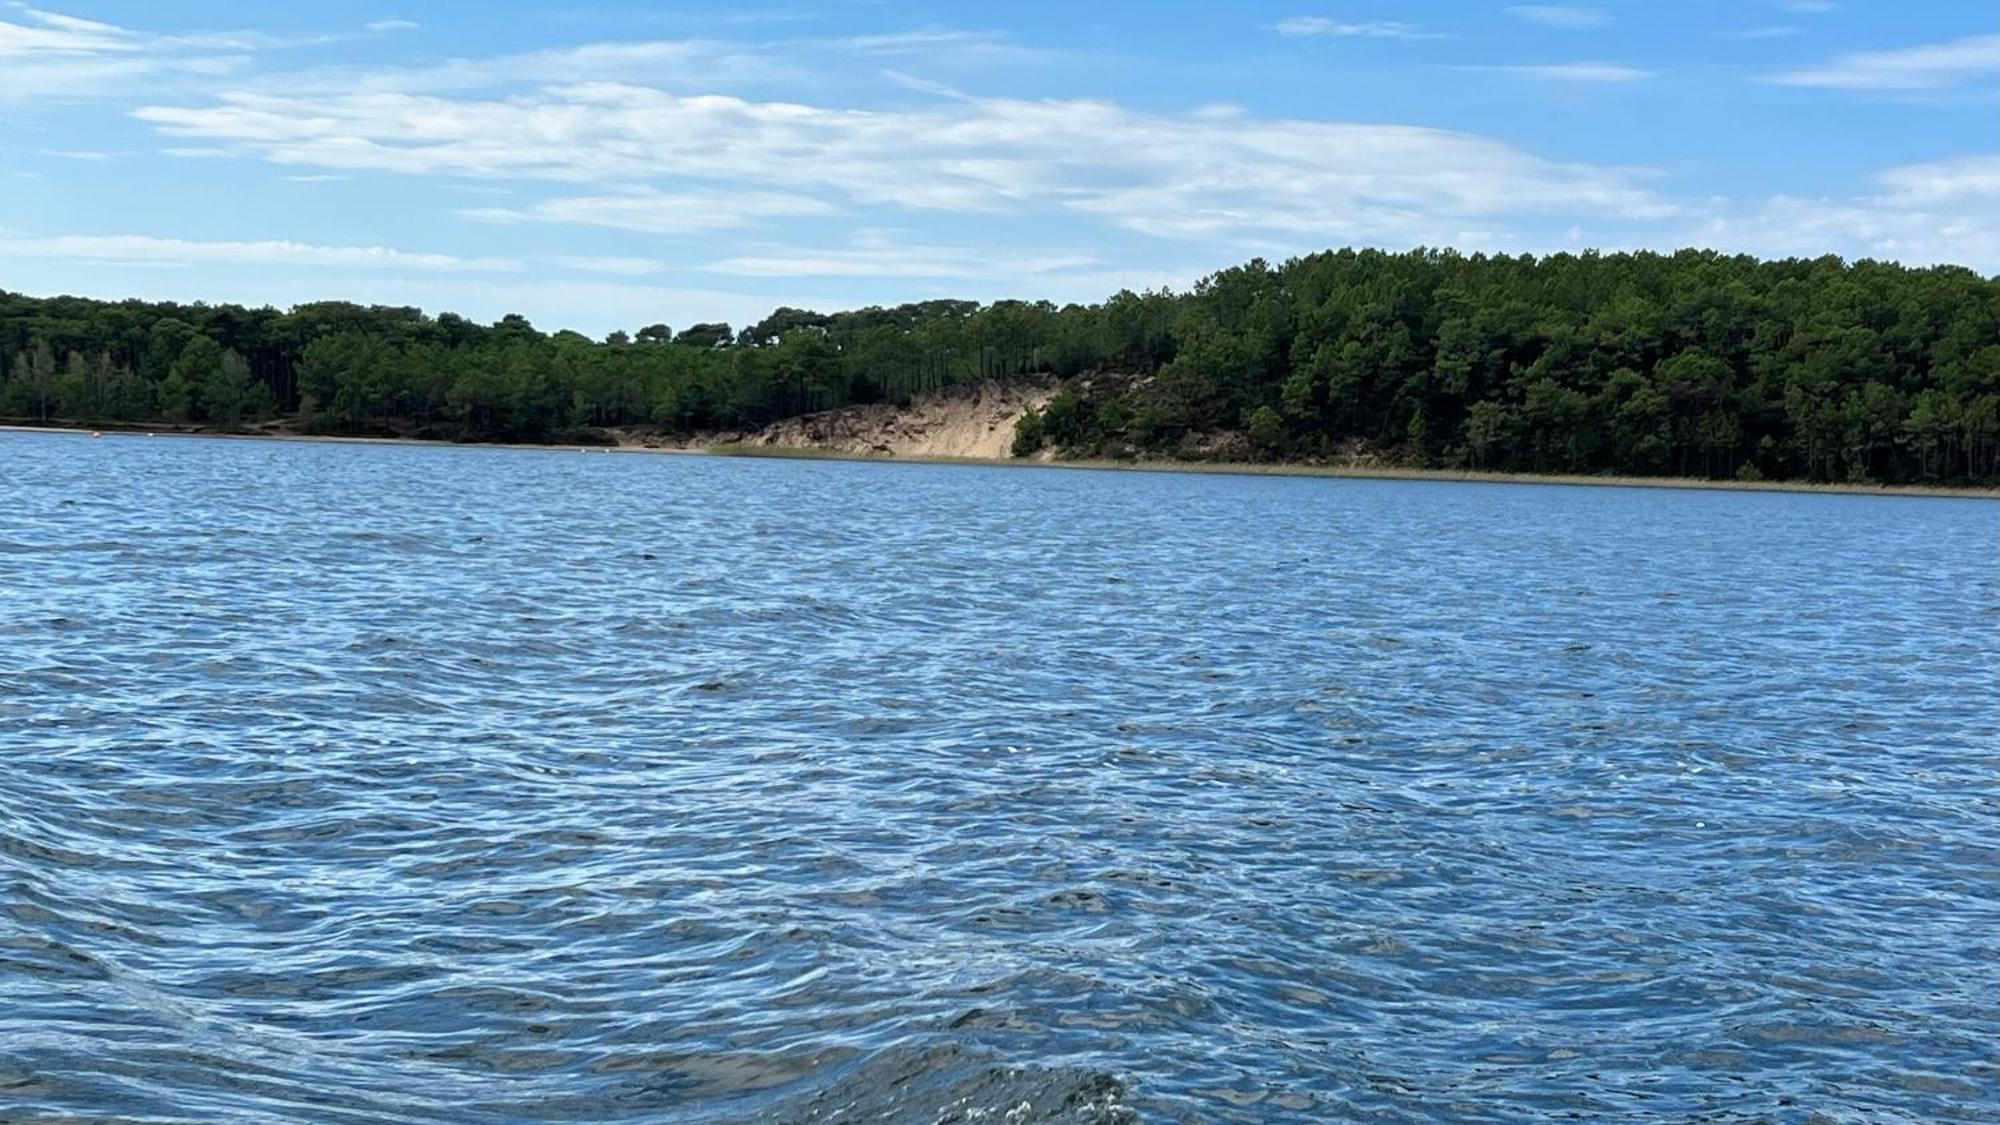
(1974, 59)
(1217, 173)
(1219, 176)
(147, 250)
(1306, 27)
(1568, 17)
(664, 141)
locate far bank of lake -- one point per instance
(1151, 465)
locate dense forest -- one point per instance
(1690, 364)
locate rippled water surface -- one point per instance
(346, 783)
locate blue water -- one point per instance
(346, 783)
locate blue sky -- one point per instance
(603, 165)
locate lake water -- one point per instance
(362, 783)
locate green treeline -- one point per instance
(348, 369)
(1692, 364)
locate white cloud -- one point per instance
(917, 270)
(1921, 214)
(1299, 27)
(137, 249)
(660, 212)
(623, 267)
(875, 255)
(692, 63)
(48, 33)
(1774, 31)
(1933, 66)
(1583, 72)
(49, 54)
(1198, 174)
(934, 44)
(1964, 180)
(682, 65)
(669, 154)
(1567, 17)
(382, 26)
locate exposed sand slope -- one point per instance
(973, 421)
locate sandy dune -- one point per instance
(972, 421)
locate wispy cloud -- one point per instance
(1974, 179)
(1193, 175)
(1920, 214)
(50, 54)
(677, 139)
(620, 266)
(1584, 72)
(683, 64)
(1566, 16)
(1302, 27)
(1808, 7)
(1933, 66)
(1773, 31)
(49, 33)
(919, 267)
(931, 43)
(138, 249)
(872, 254)
(676, 62)
(388, 25)
(660, 212)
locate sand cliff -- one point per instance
(970, 421)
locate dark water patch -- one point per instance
(950, 1086)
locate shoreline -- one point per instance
(1222, 468)
(1439, 476)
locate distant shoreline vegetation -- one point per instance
(1693, 364)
